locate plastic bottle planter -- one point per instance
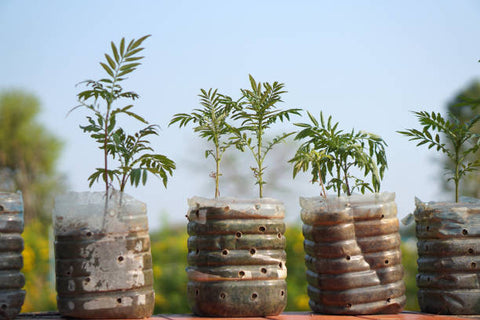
(236, 257)
(448, 257)
(102, 257)
(353, 254)
(11, 260)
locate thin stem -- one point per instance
(323, 193)
(456, 178)
(105, 150)
(347, 185)
(260, 162)
(217, 169)
(339, 181)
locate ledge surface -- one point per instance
(284, 316)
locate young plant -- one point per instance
(329, 150)
(257, 111)
(100, 99)
(211, 124)
(460, 141)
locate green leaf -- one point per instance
(115, 52)
(122, 47)
(107, 69)
(110, 62)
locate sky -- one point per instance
(368, 64)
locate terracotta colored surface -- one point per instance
(283, 316)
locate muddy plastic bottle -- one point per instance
(102, 256)
(11, 261)
(236, 257)
(353, 254)
(448, 256)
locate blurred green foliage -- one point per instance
(169, 252)
(37, 254)
(28, 154)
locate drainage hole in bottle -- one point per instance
(120, 259)
(254, 296)
(386, 261)
(262, 228)
(263, 270)
(349, 305)
(470, 250)
(282, 293)
(238, 234)
(279, 235)
(225, 252)
(87, 280)
(348, 258)
(119, 300)
(197, 292)
(89, 234)
(1, 209)
(473, 265)
(280, 265)
(223, 295)
(253, 251)
(241, 273)
(464, 232)
(428, 228)
(389, 300)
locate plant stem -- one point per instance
(347, 186)
(217, 169)
(456, 177)
(105, 150)
(323, 193)
(339, 181)
(259, 161)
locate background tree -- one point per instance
(465, 106)
(28, 154)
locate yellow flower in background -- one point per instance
(301, 302)
(160, 300)
(157, 271)
(28, 259)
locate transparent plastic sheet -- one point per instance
(11, 261)
(449, 256)
(90, 210)
(102, 255)
(236, 257)
(353, 254)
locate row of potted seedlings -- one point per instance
(236, 247)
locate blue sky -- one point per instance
(366, 63)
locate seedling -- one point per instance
(131, 151)
(257, 111)
(210, 124)
(451, 137)
(329, 150)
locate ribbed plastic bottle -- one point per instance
(102, 257)
(353, 254)
(448, 256)
(236, 257)
(11, 261)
